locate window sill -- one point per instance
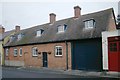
(60, 32)
(35, 56)
(87, 29)
(38, 36)
(58, 55)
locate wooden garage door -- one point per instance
(87, 55)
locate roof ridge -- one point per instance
(105, 10)
(9, 31)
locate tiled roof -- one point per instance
(5, 34)
(75, 29)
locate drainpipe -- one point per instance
(66, 55)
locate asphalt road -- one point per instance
(22, 73)
(27, 73)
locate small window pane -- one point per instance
(6, 51)
(113, 47)
(39, 33)
(15, 52)
(65, 27)
(11, 38)
(34, 51)
(20, 51)
(58, 51)
(20, 36)
(61, 29)
(89, 24)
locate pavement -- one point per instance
(74, 72)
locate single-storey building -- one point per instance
(72, 43)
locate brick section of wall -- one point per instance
(2, 30)
(77, 11)
(52, 17)
(53, 61)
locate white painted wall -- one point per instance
(14, 63)
(105, 35)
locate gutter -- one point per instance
(66, 55)
(47, 42)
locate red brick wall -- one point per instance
(53, 61)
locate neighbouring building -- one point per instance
(111, 50)
(72, 43)
(118, 21)
(4, 39)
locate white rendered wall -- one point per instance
(14, 63)
(105, 35)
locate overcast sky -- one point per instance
(28, 13)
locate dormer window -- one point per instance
(12, 38)
(89, 24)
(39, 32)
(20, 36)
(61, 28)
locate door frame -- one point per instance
(44, 59)
(113, 56)
(26, 59)
(99, 52)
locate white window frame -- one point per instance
(19, 36)
(7, 51)
(11, 38)
(57, 51)
(20, 53)
(61, 29)
(15, 54)
(39, 32)
(34, 52)
(89, 24)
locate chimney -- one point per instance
(52, 17)
(2, 29)
(17, 28)
(77, 11)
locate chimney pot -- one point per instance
(17, 28)
(2, 29)
(52, 17)
(77, 11)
